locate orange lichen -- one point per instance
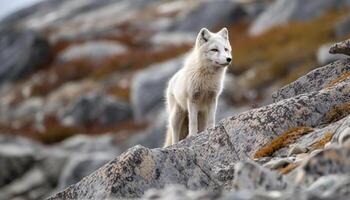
(339, 79)
(290, 167)
(319, 144)
(283, 140)
(337, 113)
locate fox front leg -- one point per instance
(192, 117)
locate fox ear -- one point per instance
(203, 36)
(224, 33)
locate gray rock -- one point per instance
(225, 12)
(341, 48)
(22, 53)
(326, 162)
(97, 108)
(313, 81)
(264, 179)
(147, 89)
(92, 51)
(15, 160)
(324, 57)
(32, 185)
(283, 11)
(342, 28)
(90, 144)
(82, 165)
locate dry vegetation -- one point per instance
(323, 141)
(54, 131)
(283, 140)
(337, 113)
(341, 78)
(284, 52)
(290, 167)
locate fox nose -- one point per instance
(228, 59)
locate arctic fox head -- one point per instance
(214, 48)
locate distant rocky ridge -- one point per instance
(237, 155)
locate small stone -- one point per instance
(297, 149)
(341, 48)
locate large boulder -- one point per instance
(207, 160)
(283, 11)
(22, 53)
(97, 108)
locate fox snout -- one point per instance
(228, 60)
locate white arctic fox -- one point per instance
(193, 91)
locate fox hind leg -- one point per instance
(177, 118)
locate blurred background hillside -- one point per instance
(83, 80)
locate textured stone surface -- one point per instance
(313, 81)
(341, 48)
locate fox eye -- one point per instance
(226, 49)
(214, 50)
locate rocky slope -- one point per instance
(85, 78)
(297, 146)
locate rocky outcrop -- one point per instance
(22, 53)
(292, 10)
(209, 160)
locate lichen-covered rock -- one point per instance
(314, 81)
(250, 176)
(327, 162)
(341, 48)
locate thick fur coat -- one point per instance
(193, 92)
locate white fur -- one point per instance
(193, 91)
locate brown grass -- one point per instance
(55, 132)
(341, 78)
(283, 140)
(320, 143)
(290, 167)
(277, 52)
(337, 113)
